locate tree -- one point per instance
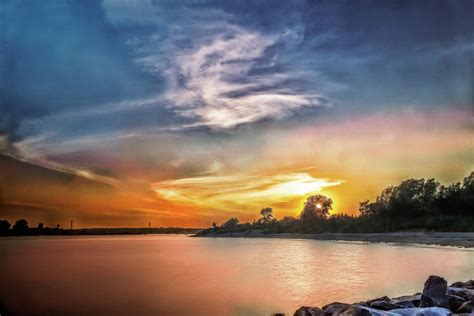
(231, 223)
(20, 227)
(4, 227)
(366, 208)
(40, 226)
(267, 216)
(214, 225)
(316, 207)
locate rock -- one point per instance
(467, 285)
(384, 305)
(435, 293)
(364, 310)
(455, 302)
(467, 307)
(435, 300)
(418, 311)
(465, 293)
(336, 308)
(406, 304)
(407, 300)
(383, 298)
(309, 311)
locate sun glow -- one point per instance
(236, 191)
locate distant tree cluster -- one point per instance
(413, 205)
(21, 228)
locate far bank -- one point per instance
(462, 239)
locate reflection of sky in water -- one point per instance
(209, 276)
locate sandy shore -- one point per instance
(465, 240)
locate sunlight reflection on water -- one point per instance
(174, 275)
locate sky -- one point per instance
(182, 113)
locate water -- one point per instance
(177, 275)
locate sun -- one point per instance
(318, 205)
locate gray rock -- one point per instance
(384, 305)
(406, 304)
(467, 285)
(465, 308)
(418, 311)
(435, 293)
(309, 311)
(364, 310)
(414, 299)
(383, 298)
(455, 302)
(336, 308)
(465, 293)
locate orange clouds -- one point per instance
(241, 192)
(192, 181)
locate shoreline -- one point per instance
(437, 298)
(462, 240)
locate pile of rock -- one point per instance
(437, 299)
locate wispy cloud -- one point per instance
(216, 83)
(239, 190)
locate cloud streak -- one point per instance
(218, 83)
(241, 190)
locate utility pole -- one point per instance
(72, 222)
(149, 225)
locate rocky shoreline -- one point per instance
(436, 299)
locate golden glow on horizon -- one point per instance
(236, 191)
(238, 178)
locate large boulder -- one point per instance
(435, 293)
(309, 311)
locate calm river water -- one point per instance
(177, 275)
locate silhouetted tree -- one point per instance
(21, 227)
(366, 209)
(40, 226)
(231, 223)
(267, 216)
(315, 212)
(4, 227)
(316, 206)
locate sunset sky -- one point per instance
(121, 112)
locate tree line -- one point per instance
(413, 205)
(22, 228)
